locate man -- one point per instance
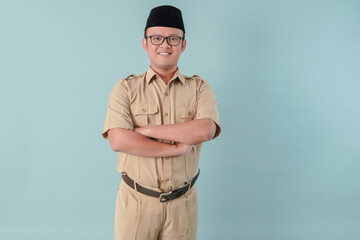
(157, 122)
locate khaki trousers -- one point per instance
(141, 217)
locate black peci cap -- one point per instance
(165, 16)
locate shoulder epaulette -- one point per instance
(131, 76)
(193, 76)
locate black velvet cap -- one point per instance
(165, 16)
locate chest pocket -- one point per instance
(145, 115)
(185, 114)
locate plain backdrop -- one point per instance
(286, 75)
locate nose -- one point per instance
(165, 43)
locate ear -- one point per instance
(183, 45)
(144, 43)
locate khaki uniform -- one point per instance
(145, 100)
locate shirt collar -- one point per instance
(151, 73)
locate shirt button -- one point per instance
(166, 114)
(189, 113)
(143, 110)
(167, 179)
(166, 93)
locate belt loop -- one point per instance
(135, 186)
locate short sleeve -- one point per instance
(118, 110)
(207, 105)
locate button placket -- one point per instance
(166, 105)
(167, 118)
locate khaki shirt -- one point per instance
(144, 100)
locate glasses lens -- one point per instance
(174, 41)
(157, 40)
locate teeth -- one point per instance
(164, 53)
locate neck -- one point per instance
(165, 74)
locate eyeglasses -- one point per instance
(158, 40)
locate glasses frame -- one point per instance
(167, 39)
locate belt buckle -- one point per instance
(163, 196)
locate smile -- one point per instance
(164, 53)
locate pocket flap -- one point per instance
(146, 109)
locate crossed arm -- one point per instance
(186, 135)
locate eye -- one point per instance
(157, 38)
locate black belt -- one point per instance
(163, 196)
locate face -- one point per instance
(164, 56)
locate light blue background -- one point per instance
(286, 75)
